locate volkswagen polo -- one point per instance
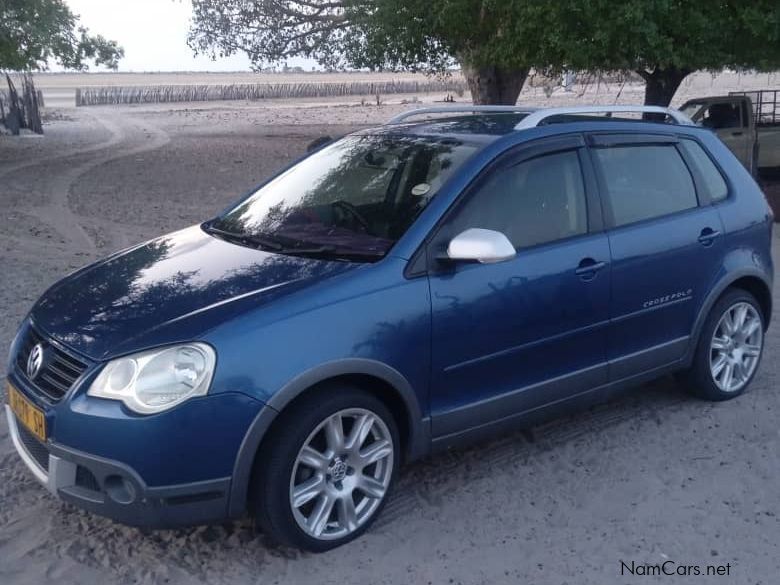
(401, 290)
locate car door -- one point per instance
(666, 248)
(515, 335)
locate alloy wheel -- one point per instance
(341, 474)
(736, 347)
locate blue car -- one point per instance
(401, 290)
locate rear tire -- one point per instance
(729, 349)
(327, 469)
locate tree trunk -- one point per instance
(491, 85)
(662, 84)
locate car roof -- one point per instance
(485, 128)
(476, 128)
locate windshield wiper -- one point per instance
(330, 252)
(270, 243)
(249, 240)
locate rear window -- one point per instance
(643, 182)
(713, 181)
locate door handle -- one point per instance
(588, 268)
(737, 133)
(707, 236)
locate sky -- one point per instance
(154, 35)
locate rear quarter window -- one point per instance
(644, 182)
(712, 180)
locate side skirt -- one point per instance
(636, 369)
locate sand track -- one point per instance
(62, 171)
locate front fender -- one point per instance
(419, 427)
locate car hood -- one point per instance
(124, 301)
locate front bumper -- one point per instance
(113, 489)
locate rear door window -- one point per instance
(712, 180)
(644, 182)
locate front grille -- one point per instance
(59, 370)
(33, 446)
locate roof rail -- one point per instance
(535, 118)
(461, 109)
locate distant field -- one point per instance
(59, 89)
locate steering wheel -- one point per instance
(350, 209)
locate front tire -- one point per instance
(729, 348)
(330, 464)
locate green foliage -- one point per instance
(662, 40)
(269, 31)
(34, 32)
(426, 35)
(656, 34)
(431, 35)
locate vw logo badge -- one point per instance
(35, 361)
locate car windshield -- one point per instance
(350, 200)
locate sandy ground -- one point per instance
(655, 476)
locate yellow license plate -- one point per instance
(30, 415)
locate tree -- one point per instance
(663, 41)
(496, 42)
(426, 36)
(35, 32)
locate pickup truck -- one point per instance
(747, 122)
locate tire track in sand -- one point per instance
(115, 138)
(58, 212)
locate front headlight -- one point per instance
(156, 380)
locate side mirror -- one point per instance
(479, 245)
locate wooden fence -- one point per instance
(154, 94)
